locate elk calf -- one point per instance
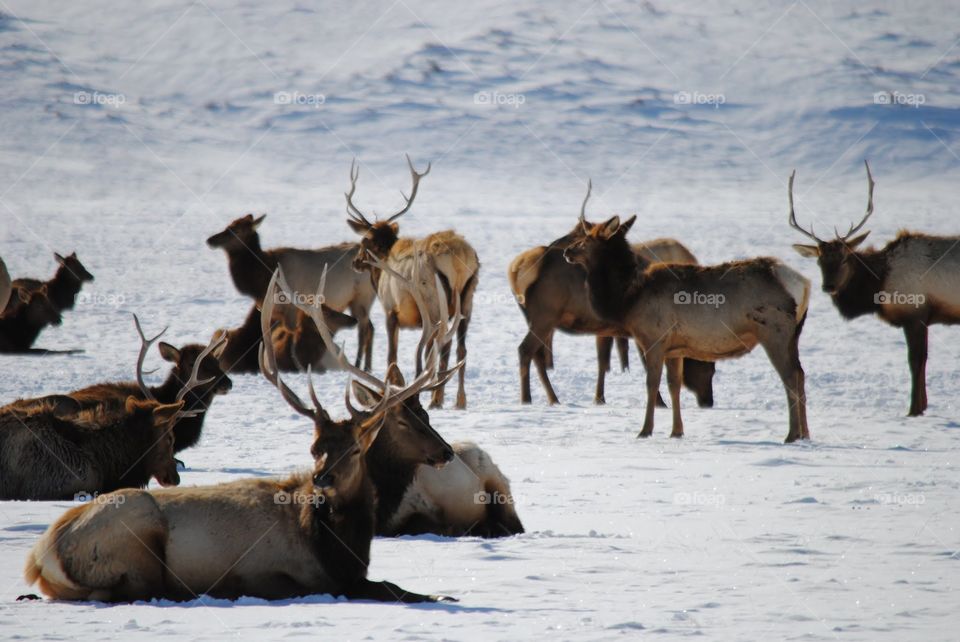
(65, 284)
(758, 301)
(912, 283)
(24, 319)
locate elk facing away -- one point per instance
(251, 268)
(274, 539)
(551, 294)
(703, 312)
(446, 254)
(912, 283)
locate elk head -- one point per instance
(74, 267)
(37, 308)
(597, 239)
(378, 237)
(835, 257)
(160, 461)
(240, 234)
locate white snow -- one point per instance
(727, 533)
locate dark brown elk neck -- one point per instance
(857, 296)
(390, 474)
(614, 282)
(63, 288)
(118, 448)
(240, 354)
(251, 267)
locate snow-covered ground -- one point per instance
(132, 131)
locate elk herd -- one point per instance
(383, 469)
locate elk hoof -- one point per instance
(599, 401)
(443, 598)
(676, 435)
(644, 434)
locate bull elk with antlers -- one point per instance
(745, 303)
(911, 283)
(444, 254)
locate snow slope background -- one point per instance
(132, 132)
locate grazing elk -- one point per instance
(551, 294)
(251, 268)
(270, 538)
(24, 319)
(63, 288)
(423, 484)
(912, 283)
(446, 254)
(48, 452)
(704, 312)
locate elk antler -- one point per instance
(144, 348)
(413, 192)
(355, 214)
(583, 208)
(854, 230)
(793, 215)
(217, 343)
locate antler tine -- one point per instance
(354, 413)
(413, 191)
(583, 208)
(870, 184)
(352, 210)
(793, 215)
(268, 358)
(144, 348)
(219, 338)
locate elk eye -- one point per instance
(356, 452)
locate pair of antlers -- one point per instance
(853, 228)
(358, 217)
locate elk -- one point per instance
(24, 319)
(702, 312)
(251, 268)
(269, 538)
(551, 294)
(66, 283)
(446, 254)
(912, 283)
(47, 452)
(424, 485)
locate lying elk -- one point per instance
(552, 295)
(46, 454)
(251, 268)
(702, 312)
(269, 538)
(297, 347)
(24, 319)
(423, 484)
(63, 288)
(912, 283)
(446, 254)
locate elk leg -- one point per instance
(530, 348)
(393, 337)
(674, 382)
(364, 336)
(653, 362)
(660, 402)
(604, 348)
(623, 351)
(785, 359)
(461, 356)
(547, 350)
(365, 589)
(437, 398)
(916, 334)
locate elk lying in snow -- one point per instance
(551, 294)
(416, 492)
(912, 283)
(296, 348)
(251, 268)
(703, 312)
(45, 454)
(274, 539)
(65, 284)
(446, 254)
(24, 319)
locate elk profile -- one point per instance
(911, 283)
(763, 302)
(445, 254)
(66, 283)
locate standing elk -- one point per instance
(46, 454)
(274, 539)
(24, 319)
(251, 268)
(63, 288)
(446, 254)
(704, 312)
(423, 484)
(552, 295)
(912, 283)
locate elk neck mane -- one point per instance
(390, 474)
(615, 282)
(856, 297)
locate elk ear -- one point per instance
(336, 319)
(365, 395)
(164, 414)
(394, 376)
(62, 405)
(395, 228)
(626, 225)
(809, 251)
(24, 295)
(59, 259)
(223, 346)
(610, 227)
(853, 243)
(357, 226)
(134, 404)
(257, 221)
(168, 352)
(369, 430)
